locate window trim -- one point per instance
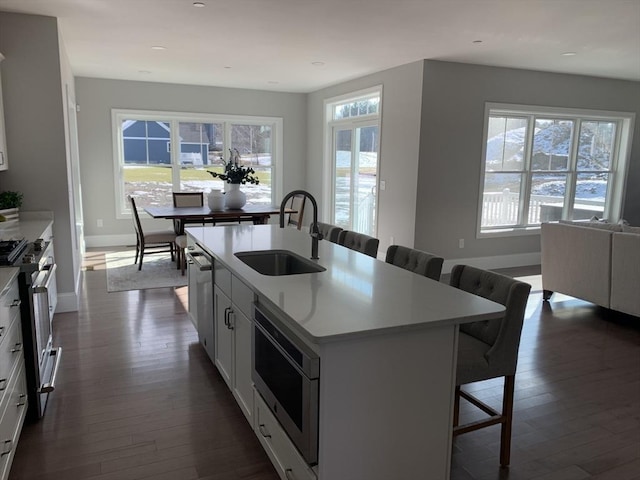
(614, 203)
(123, 210)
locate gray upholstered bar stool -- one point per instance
(417, 261)
(359, 242)
(489, 349)
(329, 232)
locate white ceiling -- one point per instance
(273, 44)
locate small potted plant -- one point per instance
(10, 203)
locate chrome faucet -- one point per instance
(313, 231)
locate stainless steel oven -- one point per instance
(37, 283)
(286, 373)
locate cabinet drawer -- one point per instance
(283, 454)
(10, 353)
(9, 307)
(222, 278)
(241, 296)
(12, 413)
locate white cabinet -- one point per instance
(13, 388)
(233, 301)
(3, 139)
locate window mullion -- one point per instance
(174, 138)
(572, 176)
(526, 179)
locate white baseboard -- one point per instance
(110, 240)
(67, 302)
(498, 261)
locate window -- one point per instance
(353, 123)
(148, 167)
(545, 164)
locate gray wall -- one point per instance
(97, 97)
(401, 93)
(32, 86)
(453, 102)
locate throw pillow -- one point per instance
(630, 229)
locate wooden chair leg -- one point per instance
(507, 413)
(456, 406)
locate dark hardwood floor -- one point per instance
(139, 399)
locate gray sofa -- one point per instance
(594, 261)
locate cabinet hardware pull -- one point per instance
(289, 474)
(226, 316)
(1, 331)
(16, 303)
(17, 348)
(3, 384)
(21, 400)
(7, 451)
(263, 431)
(230, 325)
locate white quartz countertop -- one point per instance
(31, 226)
(356, 295)
(7, 276)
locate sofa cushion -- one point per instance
(630, 229)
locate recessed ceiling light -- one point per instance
(317, 64)
(158, 47)
(477, 41)
(144, 71)
(569, 54)
(227, 68)
(273, 82)
(198, 4)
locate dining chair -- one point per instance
(151, 242)
(186, 199)
(417, 261)
(297, 203)
(359, 242)
(329, 232)
(489, 348)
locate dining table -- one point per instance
(255, 213)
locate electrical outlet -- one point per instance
(461, 243)
(383, 185)
(100, 224)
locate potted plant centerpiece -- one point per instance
(10, 203)
(235, 175)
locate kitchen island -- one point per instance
(387, 342)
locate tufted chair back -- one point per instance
(329, 232)
(417, 261)
(489, 349)
(359, 242)
(501, 336)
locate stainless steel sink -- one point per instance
(278, 262)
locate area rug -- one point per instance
(158, 271)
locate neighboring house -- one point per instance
(150, 143)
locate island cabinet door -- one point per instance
(243, 385)
(224, 335)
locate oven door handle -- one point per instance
(50, 386)
(44, 278)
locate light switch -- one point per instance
(383, 185)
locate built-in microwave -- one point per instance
(286, 373)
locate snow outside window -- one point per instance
(547, 164)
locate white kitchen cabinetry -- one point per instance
(3, 139)
(233, 301)
(13, 385)
(52, 289)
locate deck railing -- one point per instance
(501, 208)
